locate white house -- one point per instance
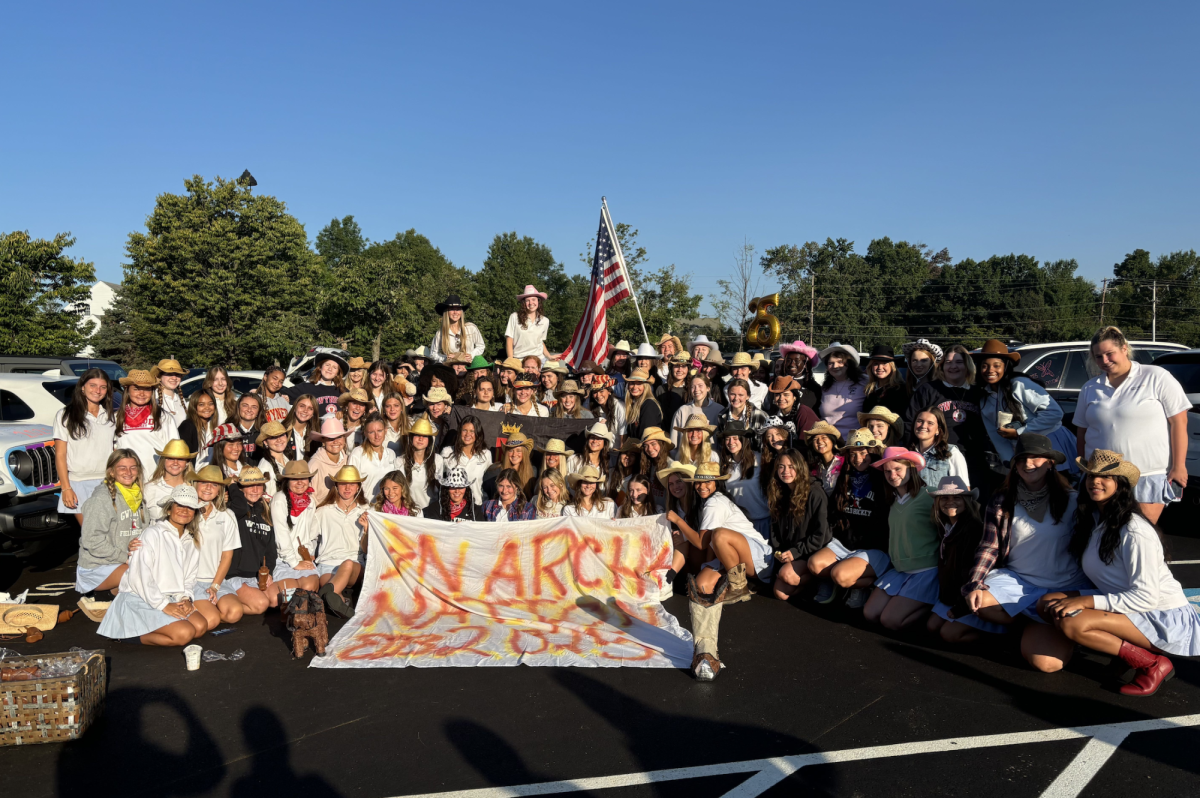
(101, 300)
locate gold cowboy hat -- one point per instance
(638, 375)
(213, 474)
(272, 429)
(176, 450)
(296, 469)
(1105, 463)
(861, 439)
(346, 475)
(357, 363)
(675, 467)
(696, 422)
(708, 472)
(589, 473)
(139, 377)
(654, 434)
(251, 476)
(355, 395)
(422, 426)
(168, 366)
(823, 427)
(555, 446)
(516, 439)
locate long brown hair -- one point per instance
(193, 414)
(155, 413)
(310, 427)
(229, 402)
(522, 314)
(406, 500)
(789, 501)
(1060, 491)
(76, 412)
(409, 460)
(941, 441)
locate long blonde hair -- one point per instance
(563, 494)
(160, 471)
(689, 457)
(446, 332)
(633, 407)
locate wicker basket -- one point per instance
(53, 709)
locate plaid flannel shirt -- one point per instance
(993, 546)
(492, 508)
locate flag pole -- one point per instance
(612, 232)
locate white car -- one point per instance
(33, 398)
(243, 382)
(28, 483)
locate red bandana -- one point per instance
(298, 504)
(137, 417)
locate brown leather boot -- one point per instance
(1152, 670)
(739, 587)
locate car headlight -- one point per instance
(21, 465)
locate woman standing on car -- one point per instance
(216, 382)
(1140, 411)
(169, 373)
(141, 425)
(83, 433)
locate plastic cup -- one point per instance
(1004, 419)
(192, 655)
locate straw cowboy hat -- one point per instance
(715, 360)
(798, 347)
(922, 343)
(953, 486)
(437, 394)
(556, 366)
(555, 446)
(823, 427)
(638, 375)
(459, 357)
(355, 395)
(900, 453)
(680, 359)
(184, 496)
(422, 426)
(675, 467)
(251, 476)
(511, 364)
(272, 429)
(601, 430)
(526, 380)
(346, 475)
(176, 450)
(530, 291)
(518, 439)
(331, 428)
(708, 472)
(1030, 444)
(995, 348)
(655, 434)
(647, 351)
(861, 439)
(570, 387)
(451, 302)
(695, 422)
(589, 473)
(455, 477)
(357, 363)
(741, 359)
(845, 349)
(673, 339)
(296, 469)
(168, 366)
(1105, 463)
(759, 358)
(139, 377)
(213, 474)
(883, 414)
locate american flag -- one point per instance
(609, 286)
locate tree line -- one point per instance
(223, 275)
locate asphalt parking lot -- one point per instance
(805, 691)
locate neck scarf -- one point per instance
(1035, 503)
(456, 509)
(132, 495)
(298, 504)
(392, 509)
(136, 416)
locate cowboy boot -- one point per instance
(706, 599)
(1152, 670)
(705, 624)
(739, 587)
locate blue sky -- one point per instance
(1055, 129)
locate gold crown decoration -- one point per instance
(510, 429)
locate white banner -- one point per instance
(563, 591)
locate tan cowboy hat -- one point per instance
(638, 375)
(572, 387)
(622, 346)
(996, 348)
(355, 395)
(213, 474)
(422, 426)
(15, 618)
(708, 472)
(861, 439)
(437, 394)
(168, 366)
(758, 358)
(680, 359)
(554, 365)
(176, 450)
(296, 469)
(272, 429)
(673, 338)
(518, 439)
(512, 364)
(1105, 463)
(630, 445)
(601, 430)
(879, 413)
(251, 476)
(93, 610)
(675, 467)
(741, 359)
(139, 377)
(589, 473)
(654, 434)
(696, 422)
(346, 475)
(555, 446)
(357, 363)
(823, 427)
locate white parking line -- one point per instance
(1103, 743)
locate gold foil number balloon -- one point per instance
(764, 330)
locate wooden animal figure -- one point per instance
(306, 621)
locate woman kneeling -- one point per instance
(341, 526)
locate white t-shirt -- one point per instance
(145, 440)
(174, 405)
(720, 511)
(373, 469)
(87, 457)
(1132, 418)
(527, 340)
(218, 534)
(1138, 579)
(608, 510)
(1038, 551)
(339, 534)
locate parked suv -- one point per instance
(58, 366)
(28, 485)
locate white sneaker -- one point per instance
(857, 598)
(824, 592)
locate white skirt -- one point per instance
(285, 571)
(88, 579)
(1174, 631)
(130, 616)
(83, 490)
(236, 583)
(1152, 490)
(876, 558)
(200, 591)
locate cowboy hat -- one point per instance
(556, 366)
(184, 496)
(823, 427)
(139, 377)
(478, 363)
(602, 382)
(272, 429)
(883, 352)
(741, 359)
(589, 473)
(736, 429)
(630, 445)
(759, 358)
(437, 394)
(654, 434)
(422, 426)
(900, 453)
(695, 422)
(880, 413)
(176, 450)
(922, 343)
(323, 356)
(516, 439)
(296, 469)
(708, 472)
(995, 348)
(213, 474)
(355, 395)
(570, 387)
(675, 467)
(600, 430)
(673, 339)
(555, 446)
(680, 359)
(168, 366)
(622, 346)
(511, 364)
(591, 367)
(357, 363)
(1030, 444)
(331, 428)
(646, 351)
(799, 348)
(251, 476)
(458, 358)
(953, 486)
(451, 302)
(777, 422)
(530, 291)
(785, 383)
(225, 432)
(846, 349)
(702, 340)
(455, 477)
(346, 475)
(715, 360)
(861, 439)
(638, 375)
(526, 380)
(1105, 463)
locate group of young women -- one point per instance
(942, 499)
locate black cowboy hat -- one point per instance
(882, 352)
(1030, 444)
(451, 302)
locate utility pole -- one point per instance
(1103, 295)
(812, 302)
(1154, 311)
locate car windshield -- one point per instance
(113, 370)
(1188, 375)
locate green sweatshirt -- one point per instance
(913, 539)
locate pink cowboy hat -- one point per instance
(799, 347)
(900, 453)
(331, 428)
(530, 291)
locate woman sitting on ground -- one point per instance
(799, 521)
(113, 516)
(252, 511)
(340, 523)
(295, 537)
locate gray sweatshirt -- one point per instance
(108, 528)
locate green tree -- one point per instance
(339, 240)
(45, 296)
(1172, 283)
(222, 276)
(121, 331)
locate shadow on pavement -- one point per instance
(271, 770)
